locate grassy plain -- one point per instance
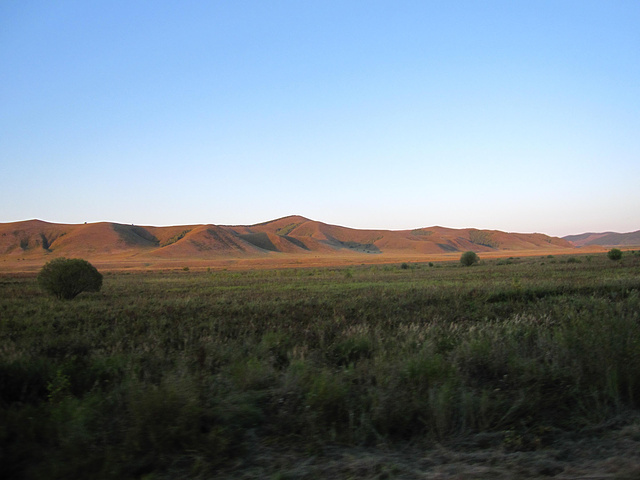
(371, 371)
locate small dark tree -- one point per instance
(469, 258)
(68, 277)
(614, 254)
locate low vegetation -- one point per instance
(66, 278)
(286, 230)
(204, 374)
(175, 238)
(614, 254)
(482, 237)
(469, 258)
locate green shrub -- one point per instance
(614, 254)
(469, 258)
(175, 238)
(66, 278)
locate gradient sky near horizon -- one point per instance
(512, 115)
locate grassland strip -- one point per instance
(249, 374)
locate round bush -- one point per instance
(614, 254)
(68, 277)
(469, 258)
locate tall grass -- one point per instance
(181, 373)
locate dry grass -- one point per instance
(520, 369)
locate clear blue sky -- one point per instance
(512, 115)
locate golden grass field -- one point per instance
(124, 262)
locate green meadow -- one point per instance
(220, 374)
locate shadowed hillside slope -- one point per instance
(606, 239)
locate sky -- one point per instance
(522, 116)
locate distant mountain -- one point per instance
(605, 239)
(289, 235)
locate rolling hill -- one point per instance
(297, 236)
(605, 239)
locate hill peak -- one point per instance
(286, 219)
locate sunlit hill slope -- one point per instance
(293, 235)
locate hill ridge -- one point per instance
(291, 235)
(605, 239)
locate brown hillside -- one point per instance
(287, 238)
(606, 239)
(32, 236)
(103, 238)
(203, 241)
(318, 236)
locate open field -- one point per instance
(114, 262)
(524, 367)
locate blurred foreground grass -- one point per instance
(180, 374)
